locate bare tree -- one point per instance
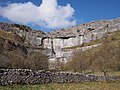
(79, 62)
(106, 57)
(38, 61)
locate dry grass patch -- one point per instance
(71, 86)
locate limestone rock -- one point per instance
(54, 42)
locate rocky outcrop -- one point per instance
(31, 36)
(94, 26)
(10, 42)
(77, 35)
(27, 76)
(54, 42)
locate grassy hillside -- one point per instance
(105, 57)
(10, 41)
(14, 54)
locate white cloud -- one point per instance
(49, 14)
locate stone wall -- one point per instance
(27, 76)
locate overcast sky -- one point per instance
(48, 15)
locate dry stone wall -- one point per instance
(27, 76)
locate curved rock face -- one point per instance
(54, 42)
(78, 35)
(31, 36)
(99, 25)
(27, 76)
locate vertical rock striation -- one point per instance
(54, 42)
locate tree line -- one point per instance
(104, 58)
(16, 60)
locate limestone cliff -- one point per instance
(54, 42)
(31, 36)
(80, 34)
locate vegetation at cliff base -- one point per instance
(14, 54)
(104, 58)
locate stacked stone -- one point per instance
(23, 76)
(67, 77)
(27, 76)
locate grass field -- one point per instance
(111, 73)
(72, 86)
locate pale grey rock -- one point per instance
(54, 42)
